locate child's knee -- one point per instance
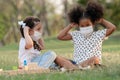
(96, 60)
(52, 54)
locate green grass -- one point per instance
(111, 55)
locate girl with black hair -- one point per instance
(87, 42)
(31, 44)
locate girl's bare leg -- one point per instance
(90, 62)
(63, 62)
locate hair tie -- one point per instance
(21, 23)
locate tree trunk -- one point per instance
(65, 3)
(43, 15)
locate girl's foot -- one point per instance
(85, 68)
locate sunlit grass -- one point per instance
(111, 58)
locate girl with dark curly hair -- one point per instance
(87, 42)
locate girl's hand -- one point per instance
(64, 34)
(99, 21)
(26, 29)
(28, 40)
(109, 26)
(72, 25)
(41, 44)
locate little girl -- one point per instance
(87, 42)
(31, 43)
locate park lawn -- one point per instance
(111, 58)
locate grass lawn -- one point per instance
(111, 58)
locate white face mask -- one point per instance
(36, 36)
(86, 30)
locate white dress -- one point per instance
(26, 54)
(85, 48)
(33, 55)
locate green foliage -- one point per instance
(7, 16)
(11, 12)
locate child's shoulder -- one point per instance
(74, 32)
(103, 31)
(22, 41)
(100, 33)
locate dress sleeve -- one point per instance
(74, 33)
(101, 34)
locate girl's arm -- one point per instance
(64, 34)
(28, 40)
(110, 27)
(41, 41)
(41, 44)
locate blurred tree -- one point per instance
(8, 15)
(65, 3)
(36, 8)
(14, 10)
(43, 17)
(114, 12)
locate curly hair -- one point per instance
(75, 14)
(93, 11)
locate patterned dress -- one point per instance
(85, 48)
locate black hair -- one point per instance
(93, 11)
(31, 23)
(75, 14)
